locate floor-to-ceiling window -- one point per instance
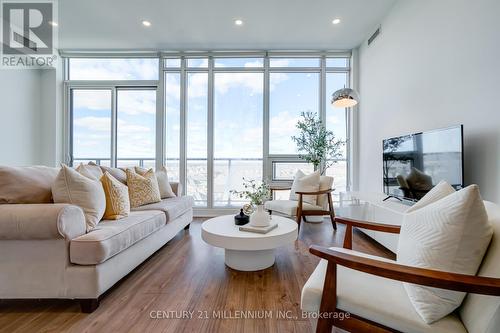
(112, 110)
(238, 134)
(211, 118)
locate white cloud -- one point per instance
(134, 102)
(99, 124)
(281, 128)
(113, 69)
(92, 99)
(253, 81)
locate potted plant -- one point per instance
(257, 193)
(316, 144)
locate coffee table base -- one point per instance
(249, 261)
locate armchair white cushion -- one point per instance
(288, 207)
(381, 300)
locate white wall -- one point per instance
(19, 117)
(51, 124)
(435, 64)
(31, 127)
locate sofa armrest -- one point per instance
(41, 221)
(177, 188)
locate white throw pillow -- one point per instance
(452, 235)
(438, 192)
(305, 183)
(90, 171)
(76, 189)
(163, 183)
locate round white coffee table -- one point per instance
(248, 251)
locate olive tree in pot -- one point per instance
(316, 144)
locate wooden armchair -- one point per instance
(362, 293)
(300, 209)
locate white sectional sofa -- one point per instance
(46, 252)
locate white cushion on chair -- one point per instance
(325, 183)
(288, 207)
(305, 183)
(381, 300)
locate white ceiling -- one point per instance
(208, 24)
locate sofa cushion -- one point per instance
(74, 188)
(381, 300)
(163, 183)
(119, 174)
(90, 171)
(288, 207)
(117, 199)
(142, 189)
(26, 185)
(162, 178)
(172, 207)
(111, 237)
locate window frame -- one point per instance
(113, 86)
(267, 158)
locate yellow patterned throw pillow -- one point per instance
(143, 189)
(117, 198)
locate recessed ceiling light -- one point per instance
(238, 22)
(336, 21)
(54, 24)
(146, 23)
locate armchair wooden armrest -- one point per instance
(389, 270)
(280, 188)
(421, 276)
(316, 192)
(350, 223)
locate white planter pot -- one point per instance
(260, 218)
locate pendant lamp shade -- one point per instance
(345, 98)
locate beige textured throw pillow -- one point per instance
(142, 189)
(76, 189)
(162, 178)
(117, 198)
(119, 174)
(305, 183)
(452, 235)
(90, 171)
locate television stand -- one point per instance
(392, 196)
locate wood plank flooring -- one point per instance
(189, 275)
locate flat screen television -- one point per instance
(414, 163)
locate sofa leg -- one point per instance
(89, 305)
(187, 227)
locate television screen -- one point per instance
(413, 164)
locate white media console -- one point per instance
(370, 207)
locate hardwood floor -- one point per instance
(189, 275)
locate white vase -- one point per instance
(260, 218)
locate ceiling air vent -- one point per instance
(374, 35)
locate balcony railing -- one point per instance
(227, 175)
